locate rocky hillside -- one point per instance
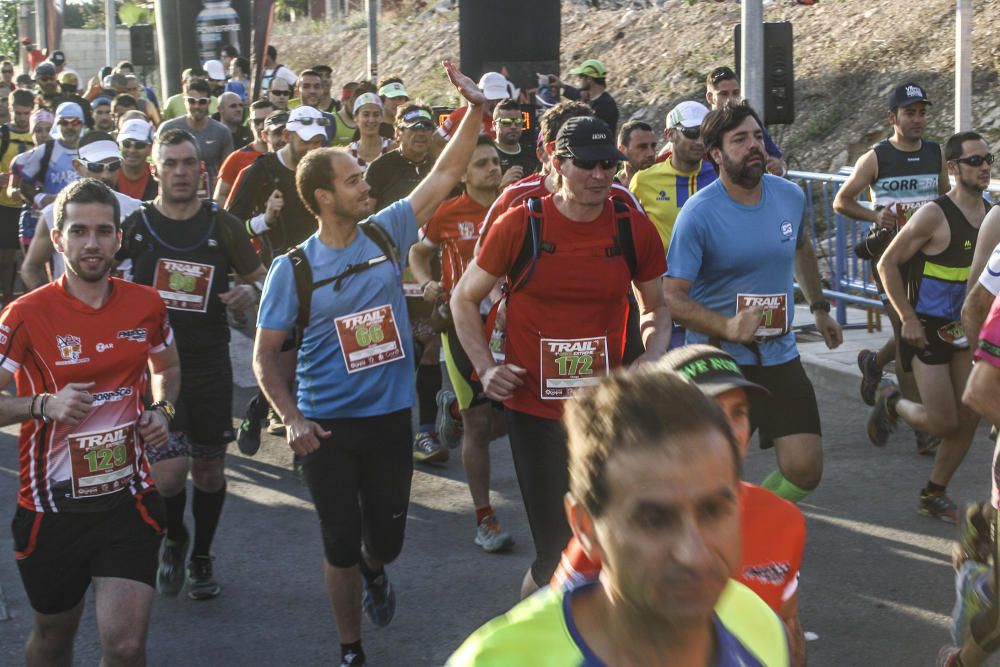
(848, 56)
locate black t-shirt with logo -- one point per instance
(265, 175)
(392, 177)
(524, 159)
(188, 262)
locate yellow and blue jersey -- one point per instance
(663, 190)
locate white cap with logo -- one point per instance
(307, 122)
(687, 114)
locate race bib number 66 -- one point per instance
(369, 338)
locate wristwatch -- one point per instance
(166, 407)
(823, 305)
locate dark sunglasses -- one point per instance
(689, 132)
(505, 122)
(132, 143)
(588, 165)
(99, 167)
(322, 122)
(6, 71)
(975, 160)
(197, 100)
(72, 122)
(280, 93)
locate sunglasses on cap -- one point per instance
(100, 167)
(280, 93)
(6, 71)
(689, 132)
(71, 122)
(132, 143)
(589, 165)
(307, 121)
(975, 160)
(508, 122)
(200, 101)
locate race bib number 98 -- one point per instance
(568, 364)
(183, 285)
(369, 338)
(774, 319)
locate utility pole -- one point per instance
(372, 6)
(333, 12)
(752, 54)
(963, 66)
(110, 34)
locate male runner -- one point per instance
(515, 162)
(452, 231)
(279, 94)
(230, 114)
(351, 420)
(637, 143)
(496, 87)
(15, 138)
(566, 313)
(215, 141)
(902, 173)
(722, 87)
(135, 178)
(39, 180)
(654, 492)
(936, 247)
(593, 90)
(734, 250)
(101, 110)
(244, 156)
(87, 511)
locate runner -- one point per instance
(101, 111)
(352, 416)
(230, 114)
(566, 312)
(773, 530)
(87, 511)
(638, 143)
(738, 294)
(311, 90)
(452, 230)
(984, 277)
(15, 139)
(593, 90)
(135, 178)
(243, 156)
(370, 144)
(649, 452)
(515, 162)
(936, 245)
(393, 94)
(902, 173)
(722, 87)
(215, 141)
(497, 88)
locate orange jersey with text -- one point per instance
(454, 226)
(48, 339)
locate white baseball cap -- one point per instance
(687, 114)
(99, 149)
(494, 86)
(215, 69)
(69, 110)
(307, 122)
(367, 98)
(136, 129)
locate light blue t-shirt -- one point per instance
(726, 249)
(373, 373)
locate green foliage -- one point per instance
(132, 13)
(9, 43)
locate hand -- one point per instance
(775, 166)
(499, 382)
(512, 175)
(886, 216)
(740, 328)
(432, 291)
(647, 357)
(466, 86)
(274, 205)
(303, 435)
(830, 330)
(913, 333)
(239, 298)
(153, 427)
(71, 404)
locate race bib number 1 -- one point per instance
(369, 338)
(103, 461)
(568, 364)
(183, 285)
(774, 319)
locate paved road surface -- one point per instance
(876, 587)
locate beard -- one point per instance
(745, 173)
(88, 273)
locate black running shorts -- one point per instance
(205, 404)
(937, 353)
(790, 409)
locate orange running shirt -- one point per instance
(454, 227)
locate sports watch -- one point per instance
(823, 305)
(166, 407)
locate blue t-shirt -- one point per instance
(374, 374)
(726, 249)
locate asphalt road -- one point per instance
(876, 587)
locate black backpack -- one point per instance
(134, 244)
(304, 285)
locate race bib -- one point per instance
(498, 346)
(953, 333)
(774, 319)
(183, 285)
(568, 364)
(369, 338)
(412, 291)
(103, 461)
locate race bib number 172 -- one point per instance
(568, 364)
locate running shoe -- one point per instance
(948, 657)
(972, 595)
(248, 435)
(378, 600)
(491, 538)
(938, 506)
(448, 428)
(927, 444)
(871, 376)
(882, 419)
(353, 659)
(974, 540)
(202, 586)
(274, 424)
(427, 449)
(170, 573)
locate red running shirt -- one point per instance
(566, 325)
(48, 339)
(454, 227)
(774, 537)
(454, 119)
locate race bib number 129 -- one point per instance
(369, 338)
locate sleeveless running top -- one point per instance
(908, 178)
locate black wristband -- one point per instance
(823, 305)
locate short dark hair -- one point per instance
(21, 98)
(555, 117)
(724, 119)
(125, 64)
(506, 105)
(625, 134)
(125, 100)
(84, 191)
(315, 172)
(953, 147)
(630, 410)
(310, 72)
(230, 51)
(720, 74)
(198, 86)
(262, 103)
(272, 52)
(243, 64)
(173, 137)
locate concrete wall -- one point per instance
(84, 50)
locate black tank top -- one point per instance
(908, 178)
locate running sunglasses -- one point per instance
(100, 167)
(689, 132)
(506, 122)
(322, 122)
(280, 93)
(199, 101)
(975, 160)
(132, 143)
(588, 165)
(72, 122)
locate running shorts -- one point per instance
(937, 353)
(205, 405)
(790, 409)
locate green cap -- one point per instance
(592, 68)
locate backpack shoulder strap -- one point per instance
(224, 233)
(524, 263)
(303, 284)
(43, 166)
(384, 242)
(624, 238)
(4, 139)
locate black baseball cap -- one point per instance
(58, 57)
(713, 370)
(906, 94)
(587, 138)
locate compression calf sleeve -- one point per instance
(176, 532)
(428, 385)
(777, 483)
(206, 508)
